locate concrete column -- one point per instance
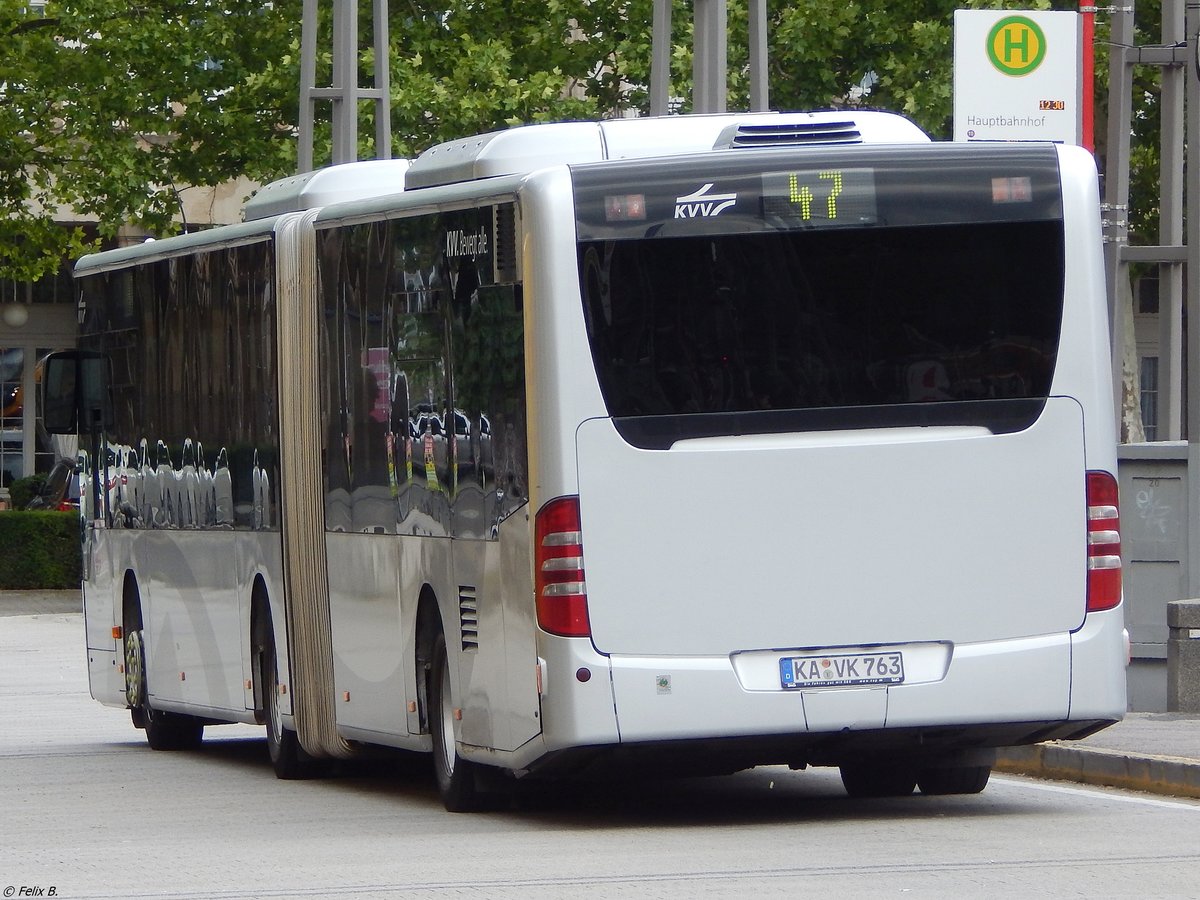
(1183, 656)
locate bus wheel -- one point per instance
(288, 758)
(954, 779)
(878, 779)
(164, 730)
(455, 775)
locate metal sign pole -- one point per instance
(345, 93)
(1192, 27)
(1170, 236)
(660, 59)
(709, 57)
(1116, 196)
(758, 56)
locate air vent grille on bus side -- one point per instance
(468, 616)
(505, 256)
(788, 134)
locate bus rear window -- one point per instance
(871, 320)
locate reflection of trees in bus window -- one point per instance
(423, 500)
(12, 367)
(410, 444)
(489, 386)
(191, 345)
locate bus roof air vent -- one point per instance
(788, 134)
(348, 181)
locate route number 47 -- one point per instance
(801, 193)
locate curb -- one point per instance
(1166, 775)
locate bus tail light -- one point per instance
(1104, 542)
(558, 569)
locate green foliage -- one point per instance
(465, 67)
(824, 51)
(39, 550)
(1144, 156)
(112, 109)
(22, 490)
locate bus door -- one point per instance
(75, 400)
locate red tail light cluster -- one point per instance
(1104, 542)
(558, 569)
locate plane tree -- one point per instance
(109, 110)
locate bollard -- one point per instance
(1183, 656)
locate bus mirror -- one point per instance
(75, 392)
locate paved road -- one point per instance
(87, 809)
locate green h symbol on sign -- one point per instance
(1016, 45)
(1016, 39)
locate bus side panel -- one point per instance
(261, 557)
(1099, 652)
(101, 611)
(574, 711)
(498, 663)
(483, 594)
(1097, 680)
(199, 653)
(557, 342)
(1083, 369)
(520, 629)
(369, 599)
(576, 694)
(193, 617)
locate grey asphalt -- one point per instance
(1154, 752)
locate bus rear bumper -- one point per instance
(947, 686)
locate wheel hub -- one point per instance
(135, 670)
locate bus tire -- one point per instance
(878, 778)
(954, 779)
(288, 757)
(455, 775)
(164, 730)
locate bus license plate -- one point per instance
(831, 670)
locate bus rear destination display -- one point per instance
(820, 196)
(855, 187)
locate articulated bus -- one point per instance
(666, 445)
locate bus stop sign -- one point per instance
(1017, 76)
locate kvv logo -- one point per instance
(1016, 45)
(702, 204)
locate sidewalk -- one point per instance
(1154, 752)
